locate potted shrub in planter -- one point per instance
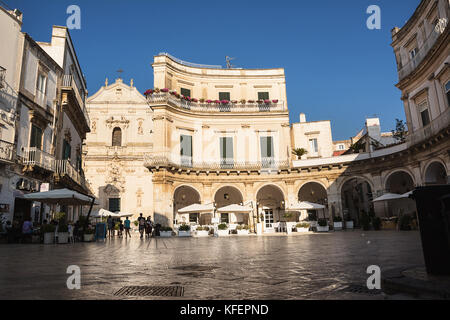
(337, 223)
(184, 230)
(202, 231)
(348, 222)
(299, 152)
(222, 230)
(88, 235)
(242, 230)
(302, 227)
(48, 230)
(165, 232)
(322, 225)
(63, 234)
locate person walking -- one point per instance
(141, 221)
(127, 225)
(70, 229)
(121, 227)
(110, 224)
(148, 227)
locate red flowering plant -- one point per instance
(208, 101)
(234, 101)
(177, 95)
(251, 101)
(275, 101)
(224, 102)
(194, 100)
(173, 92)
(260, 101)
(217, 101)
(148, 92)
(165, 90)
(267, 101)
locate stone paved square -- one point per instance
(308, 266)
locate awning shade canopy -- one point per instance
(235, 208)
(306, 205)
(60, 196)
(124, 214)
(104, 213)
(392, 196)
(197, 208)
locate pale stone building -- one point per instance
(44, 119)
(121, 132)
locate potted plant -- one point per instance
(322, 225)
(302, 227)
(243, 101)
(148, 92)
(165, 90)
(184, 230)
(63, 234)
(48, 230)
(348, 222)
(275, 101)
(299, 152)
(242, 230)
(337, 223)
(376, 223)
(165, 232)
(222, 230)
(88, 235)
(202, 231)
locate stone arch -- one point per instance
(228, 195)
(116, 137)
(302, 183)
(435, 172)
(356, 197)
(184, 195)
(346, 179)
(262, 185)
(270, 203)
(233, 185)
(315, 192)
(392, 185)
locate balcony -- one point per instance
(433, 128)
(413, 63)
(188, 163)
(65, 168)
(6, 151)
(35, 157)
(162, 98)
(69, 85)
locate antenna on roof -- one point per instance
(228, 59)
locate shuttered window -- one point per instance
(263, 96)
(67, 149)
(114, 204)
(267, 152)
(36, 137)
(186, 150)
(226, 151)
(224, 96)
(185, 92)
(117, 137)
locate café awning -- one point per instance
(390, 196)
(61, 197)
(198, 208)
(104, 213)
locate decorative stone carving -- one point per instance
(115, 177)
(122, 123)
(140, 129)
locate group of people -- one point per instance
(121, 227)
(145, 225)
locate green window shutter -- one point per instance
(185, 92)
(66, 150)
(263, 96)
(224, 96)
(36, 137)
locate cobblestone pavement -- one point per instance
(303, 266)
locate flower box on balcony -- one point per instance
(217, 101)
(148, 92)
(251, 101)
(274, 101)
(208, 101)
(224, 102)
(260, 101)
(194, 100)
(266, 101)
(165, 90)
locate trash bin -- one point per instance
(433, 211)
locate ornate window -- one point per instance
(117, 137)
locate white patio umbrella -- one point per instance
(104, 213)
(198, 208)
(124, 214)
(390, 196)
(61, 197)
(306, 205)
(235, 208)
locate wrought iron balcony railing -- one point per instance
(184, 162)
(64, 167)
(35, 157)
(6, 151)
(167, 98)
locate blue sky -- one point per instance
(336, 68)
